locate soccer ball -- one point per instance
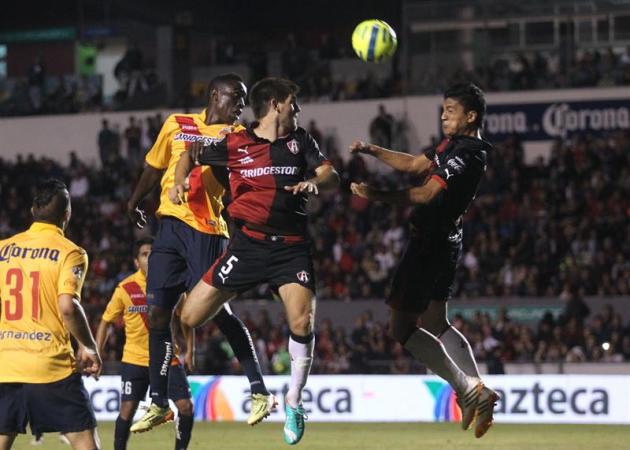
(374, 40)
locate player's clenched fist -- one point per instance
(360, 147)
(361, 189)
(177, 193)
(90, 362)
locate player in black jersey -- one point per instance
(424, 278)
(273, 166)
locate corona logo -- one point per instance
(446, 408)
(210, 402)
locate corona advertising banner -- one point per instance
(403, 398)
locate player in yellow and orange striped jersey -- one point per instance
(129, 301)
(41, 276)
(190, 237)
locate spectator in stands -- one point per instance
(37, 84)
(133, 136)
(381, 128)
(108, 145)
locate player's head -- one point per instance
(226, 98)
(51, 203)
(141, 252)
(278, 97)
(463, 110)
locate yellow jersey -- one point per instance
(130, 301)
(36, 267)
(203, 206)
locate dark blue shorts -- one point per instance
(62, 406)
(179, 257)
(426, 272)
(135, 382)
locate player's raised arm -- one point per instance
(403, 162)
(411, 196)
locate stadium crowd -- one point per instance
(558, 228)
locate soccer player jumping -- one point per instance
(189, 239)
(424, 278)
(273, 166)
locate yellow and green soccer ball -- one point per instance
(374, 40)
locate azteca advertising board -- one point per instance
(595, 399)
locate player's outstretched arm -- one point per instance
(403, 162)
(326, 178)
(412, 196)
(74, 319)
(148, 180)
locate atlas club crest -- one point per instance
(303, 276)
(293, 146)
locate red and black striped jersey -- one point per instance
(260, 170)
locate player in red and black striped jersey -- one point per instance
(259, 172)
(424, 278)
(270, 165)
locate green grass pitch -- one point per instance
(367, 436)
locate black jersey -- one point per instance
(458, 165)
(259, 171)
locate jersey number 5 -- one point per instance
(15, 282)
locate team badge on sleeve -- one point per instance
(78, 271)
(293, 146)
(303, 276)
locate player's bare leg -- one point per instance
(299, 304)
(435, 320)
(203, 303)
(425, 347)
(183, 423)
(6, 440)
(84, 440)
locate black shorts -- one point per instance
(62, 406)
(179, 257)
(253, 258)
(426, 272)
(135, 382)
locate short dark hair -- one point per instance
(50, 201)
(471, 97)
(267, 89)
(220, 80)
(145, 240)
